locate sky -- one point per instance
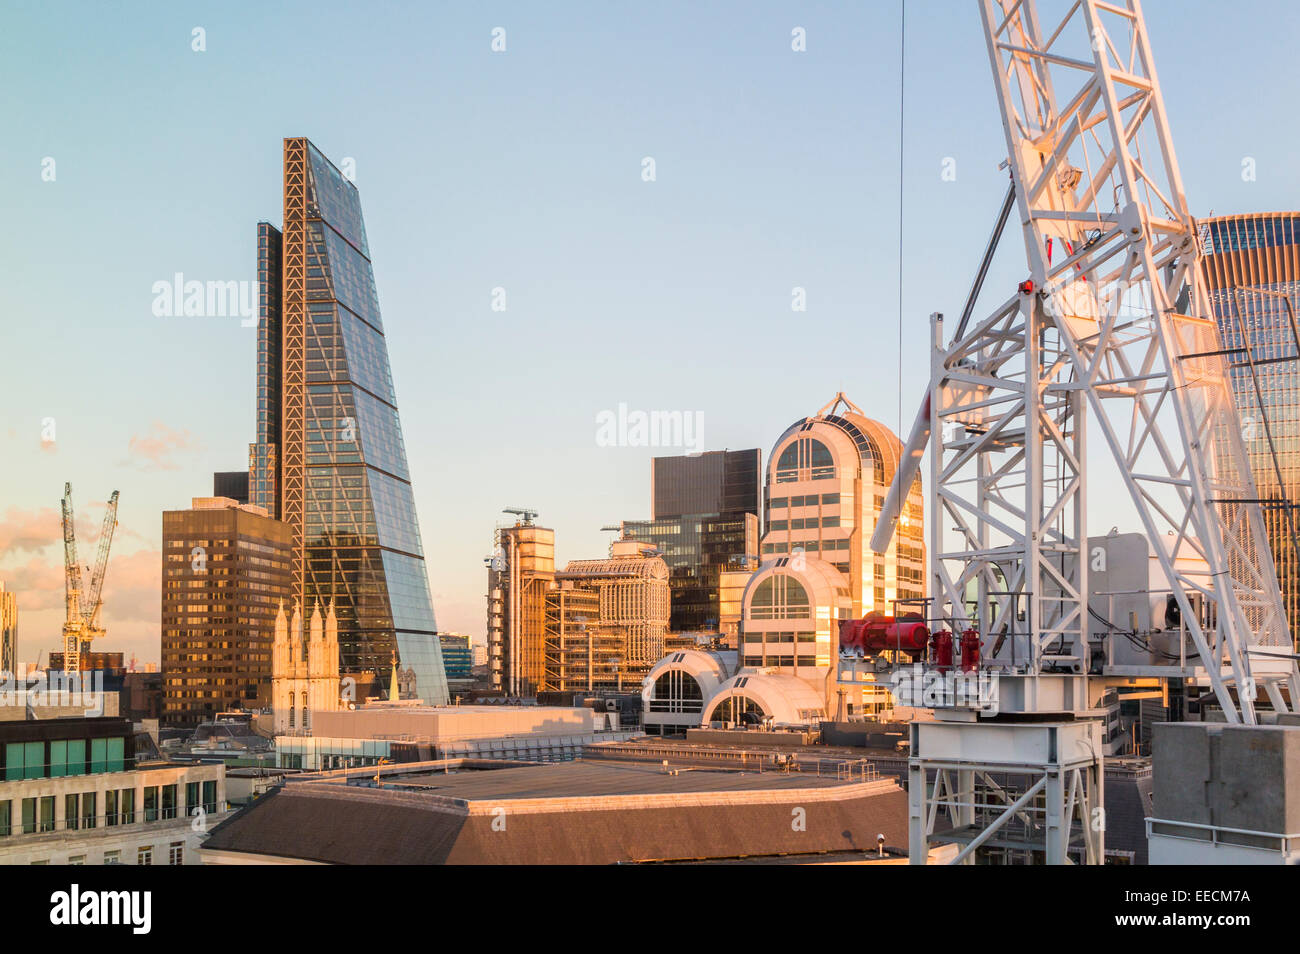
(143, 140)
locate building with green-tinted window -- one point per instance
(92, 791)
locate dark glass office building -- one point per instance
(715, 482)
(329, 458)
(232, 484)
(705, 522)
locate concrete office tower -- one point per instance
(8, 631)
(225, 568)
(329, 459)
(704, 524)
(827, 479)
(520, 573)
(1251, 266)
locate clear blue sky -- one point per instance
(521, 170)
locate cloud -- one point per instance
(25, 531)
(31, 531)
(131, 605)
(37, 584)
(154, 451)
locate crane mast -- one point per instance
(1110, 336)
(81, 623)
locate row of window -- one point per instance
(81, 809)
(806, 546)
(805, 500)
(143, 856)
(64, 757)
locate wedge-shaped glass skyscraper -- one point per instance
(329, 458)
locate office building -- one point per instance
(520, 572)
(329, 459)
(713, 482)
(606, 620)
(225, 572)
(8, 631)
(232, 484)
(90, 791)
(827, 478)
(705, 523)
(456, 655)
(1251, 266)
(409, 732)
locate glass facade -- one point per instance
(698, 549)
(717, 482)
(705, 523)
(1251, 266)
(331, 457)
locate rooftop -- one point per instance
(566, 813)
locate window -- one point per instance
(58, 758)
(176, 853)
(191, 797)
(76, 756)
(210, 797)
(113, 857)
(676, 691)
(126, 805)
(47, 813)
(805, 458)
(144, 855)
(98, 755)
(738, 709)
(116, 755)
(6, 818)
(24, 760)
(88, 800)
(151, 803)
(76, 859)
(29, 816)
(168, 801)
(780, 596)
(110, 807)
(71, 811)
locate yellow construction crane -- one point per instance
(82, 620)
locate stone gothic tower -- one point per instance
(304, 673)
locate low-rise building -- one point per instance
(91, 791)
(584, 812)
(406, 732)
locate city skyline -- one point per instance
(454, 217)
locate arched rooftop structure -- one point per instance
(750, 698)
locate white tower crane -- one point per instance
(1110, 336)
(82, 623)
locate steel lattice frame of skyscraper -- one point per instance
(329, 458)
(1252, 275)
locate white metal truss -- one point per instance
(1113, 326)
(1047, 808)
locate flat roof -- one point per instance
(585, 779)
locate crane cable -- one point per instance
(902, 60)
